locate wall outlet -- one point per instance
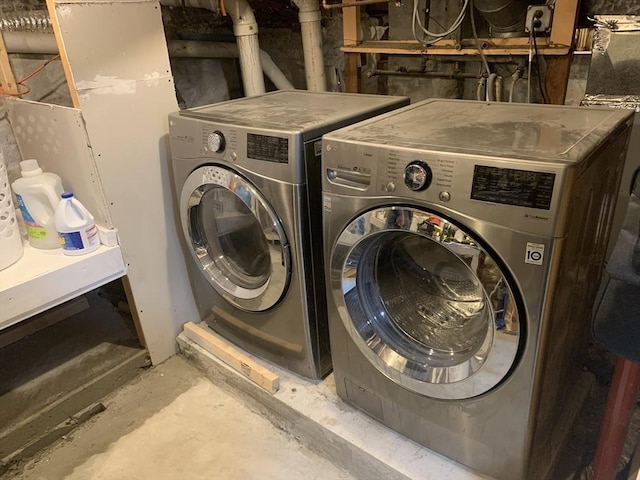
(539, 17)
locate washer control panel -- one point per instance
(417, 176)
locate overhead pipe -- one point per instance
(245, 28)
(355, 3)
(192, 49)
(45, 44)
(309, 16)
(421, 73)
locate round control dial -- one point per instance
(216, 142)
(417, 176)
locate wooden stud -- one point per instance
(556, 78)
(352, 72)
(233, 357)
(9, 84)
(351, 37)
(133, 310)
(63, 53)
(563, 28)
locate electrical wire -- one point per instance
(24, 85)
(529, 66)
(537, 58)
(474, 32)
(415, 20)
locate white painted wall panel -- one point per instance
(56, 137)
(118, 57)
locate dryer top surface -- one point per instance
(540, 132)
(297, 111)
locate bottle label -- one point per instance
(71, 241)
(34, 229)
(79, 240)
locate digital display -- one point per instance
(522, 188)
(267, 148)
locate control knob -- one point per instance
(216, 142)
(417, 175)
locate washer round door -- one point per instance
(235, 238)
(425, 303)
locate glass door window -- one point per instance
(426, 303)
(236, 238)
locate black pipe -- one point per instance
(418, 73)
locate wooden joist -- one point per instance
(9, 84)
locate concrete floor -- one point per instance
(189, 418)
(172, 422)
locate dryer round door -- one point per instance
(425, 303)
(235, 237)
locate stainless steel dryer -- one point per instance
(464, 244)
(247, 182)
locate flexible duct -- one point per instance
(506, 18)
(32, 21)
(45, 43)
(309, 16)
(245, 29)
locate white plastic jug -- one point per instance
(76, 227)
(38, 194)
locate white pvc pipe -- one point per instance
(245, 29)
(272, 71)
(309, 16)
(191, 49)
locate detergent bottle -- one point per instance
(37, 195)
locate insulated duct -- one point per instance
(309, 16)
(506, 18)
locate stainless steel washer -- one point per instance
(247, 182)
(464, 244)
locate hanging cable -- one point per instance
(415, 20)
(24, 85)
(537, 59)
(474, 32)
(529, 66)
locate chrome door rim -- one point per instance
(480, 373)
(244, 298)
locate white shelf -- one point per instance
(42, 279)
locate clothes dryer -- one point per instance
(464, 244)
(248, 189)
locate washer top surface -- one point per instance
(540, 132)
(295, 110)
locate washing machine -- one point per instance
(247, 180)
(463, 244)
